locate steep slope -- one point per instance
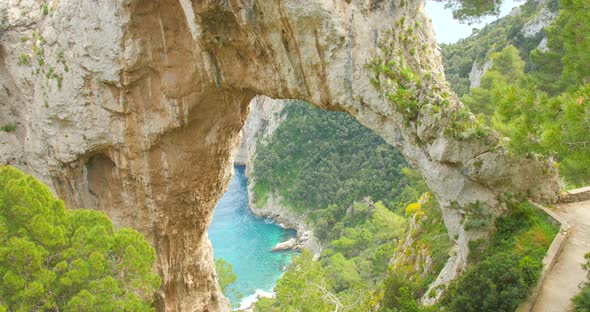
(135, 108)
(264, 118)
(467, 60)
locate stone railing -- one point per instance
(575, 195)
(549, 259)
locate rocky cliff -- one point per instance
(135, 107)
(532, 29)
(264, 118)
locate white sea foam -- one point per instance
(250, 300)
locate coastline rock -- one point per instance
(304, 240)
(289, 244)
(287, 219)
(264, 118)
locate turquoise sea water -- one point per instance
(245, 241)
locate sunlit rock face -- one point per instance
(135, 108)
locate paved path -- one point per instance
(562, 281)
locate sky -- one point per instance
(449, 30)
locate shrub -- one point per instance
(23, 59)
(396, 289)
(9, 127)
(582, 300)
(498, 283)
(413, 208)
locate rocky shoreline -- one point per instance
(288, 220)
(264, 118)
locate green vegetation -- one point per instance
(23, 59)
(302, 287)
(351, 272)
(384, 255)
(317, 158)
(498, 283)
(354, 190)
(36, 57)
(56, 259)
(582, 300)
(504, 270)
(542, 102)
(415, 266)
(226, 277)
(535, 121)
(472, 10)
(401, 78)
(396, 74)
(9, 127)
(459, 57)
(350, 267)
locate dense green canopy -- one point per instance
(52, 258)
(317, 158)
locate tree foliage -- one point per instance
(359, 245)
(318, 158)
(545, 111)
(52, 258)
(302, 288)
(353, 189)
(459, 57)
(226, 277)
(469, 11)
(504, 270)
(582, 300)
(535, 121)
(499, 283)
(225, 274)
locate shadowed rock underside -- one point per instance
(135, 108)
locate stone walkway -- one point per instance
(563, 280)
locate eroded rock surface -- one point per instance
(264, 118)
(135, 107)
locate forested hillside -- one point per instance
(539, 99)
(318, 158)
(353, 189)
(474, 51)
(352, 271)
(323, 164)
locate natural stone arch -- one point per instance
(166, 91)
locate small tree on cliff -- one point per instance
(225, 274)
(56, 259)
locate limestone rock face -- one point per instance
(264, 118)
(478, 71)
(538, 23)
(135, 107)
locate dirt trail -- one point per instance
(563, 280)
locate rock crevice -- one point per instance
(149, 97)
